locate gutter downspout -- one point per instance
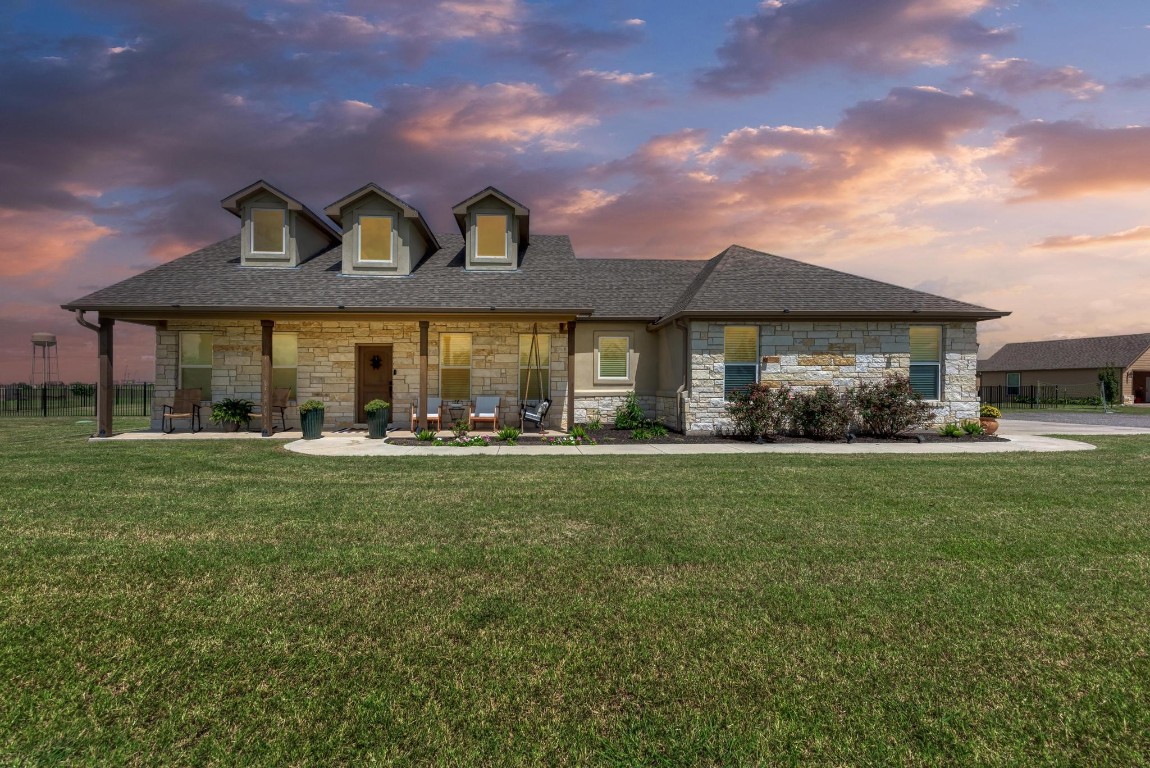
(683, 393)
(80, 319)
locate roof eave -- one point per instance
(791, 314)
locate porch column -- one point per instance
(423, 324)
(266, 327)
(570, 374)
(105, 392)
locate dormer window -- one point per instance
(377, 237)
(490, 236)
(269, 227)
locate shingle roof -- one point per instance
(213, 277)
(1093, 352)
(742, 280)
(550, 277)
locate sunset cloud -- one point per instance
(1020, 76)
(1069, 158)
(40, 244)
(1084, 241)
(881, 36)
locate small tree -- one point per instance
(1109, 376)
(889, 407)
(630, 415)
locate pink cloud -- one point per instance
(1084, 241)
(1020, 76)
(1069, 158)
(41, 243)
(883, 36)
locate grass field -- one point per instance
(230, 603)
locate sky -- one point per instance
(993, 152)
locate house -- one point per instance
(1071, 364)
(366, 301)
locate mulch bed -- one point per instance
(611, 436)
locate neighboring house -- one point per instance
(1071, 363)
(380, 306)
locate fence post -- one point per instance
(43, 399)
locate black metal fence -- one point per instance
(73, 399)
(1038, 396)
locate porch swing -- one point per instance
(536, 413)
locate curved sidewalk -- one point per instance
(1023, 436)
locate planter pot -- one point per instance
(312, 424)
(377, 423)
(229, 426)
(989, 425)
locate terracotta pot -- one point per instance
(989, 425)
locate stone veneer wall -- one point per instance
(603, 407)
(807, 355)
(326, 369)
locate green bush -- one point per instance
(577, 431)
(972, 427)
(1109, 378)
(989, 412)
(759, 410)
(884, 409)
(950, 430)
(311, 405)
(822, 414)
(232, 410)
(509, 435)
(460, 429)
(595, 424)
(427, 435)
(630, 415)
(649, 431)
(376, 405)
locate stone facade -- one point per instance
(840, 354)
(327, 360)
(603, 407)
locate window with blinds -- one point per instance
(268, 225)
(613, 358)
(740, 357)
(196, 362)
(376, 238)
(534, 367)
(455, 366)
(490, 236)
(926, 361)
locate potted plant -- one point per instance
(231, 412)
(311, 419)
(988, 417)
(377, 417)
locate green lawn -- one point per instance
(230, 603)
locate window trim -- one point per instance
(505, 258)
(180, 365)
(470, 367)
(394, 247)
(755, 364)
(630, 377)
(544, 343)
(252, 231)
(938, 398)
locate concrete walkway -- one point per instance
(354, 445)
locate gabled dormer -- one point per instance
(382, 234)
(277, 230)
(496, 230)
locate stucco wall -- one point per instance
(327, 356)
(601, 399)
(807, 355)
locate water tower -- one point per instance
(45, 359)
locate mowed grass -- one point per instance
(230, 603)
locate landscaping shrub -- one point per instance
(649, 431)
(972, 427)
(460, 429)
(822, 414)
(577, 431)
(426, 435)
(509, 435)
(1109, 378)
(630, 415)
(886, 408)
(950, 430)
(759, 410)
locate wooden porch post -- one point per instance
(266, 327)
(105, 393)
(570, 374)
(423, 324)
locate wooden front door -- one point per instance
(372, 377)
